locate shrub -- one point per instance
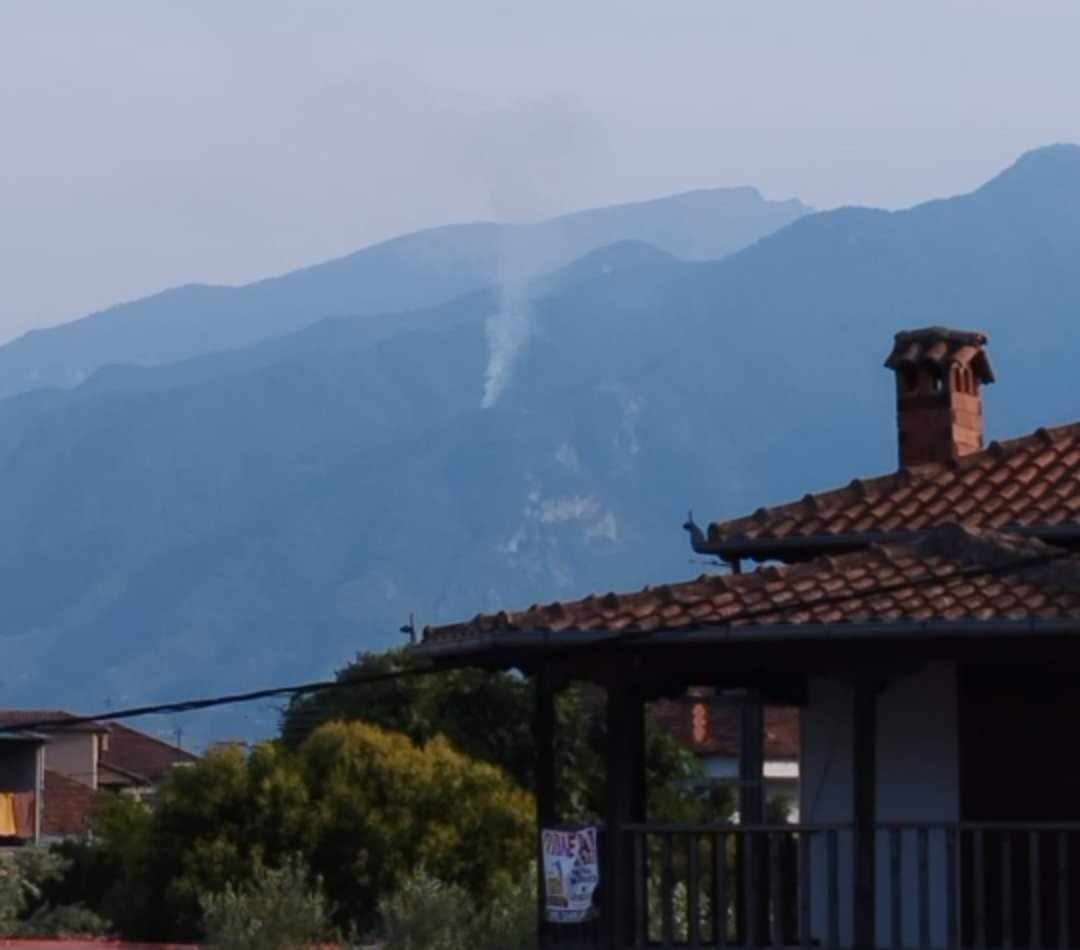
(279, 908)
(427, 914)
(70, 920)
(25, 877)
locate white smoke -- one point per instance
(533, 158)
(507, 331)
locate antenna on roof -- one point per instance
(410, 629)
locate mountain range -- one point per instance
(258, 513)
(410, 272)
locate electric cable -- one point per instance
(193, 705)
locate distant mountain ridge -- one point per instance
(257, 516)
(410, 272)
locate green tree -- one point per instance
(384, 807)
(363, 807)
(488, 716)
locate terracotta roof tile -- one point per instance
(142, 755)
(57, 720)
(1027, 483)
(952, 573)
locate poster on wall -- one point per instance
(571, 873)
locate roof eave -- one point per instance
(509, 647)
(802, 547)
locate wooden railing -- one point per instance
(938, 885)
(1020, 885)
(737, 885)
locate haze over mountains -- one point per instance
(416, 270)
(264, 512)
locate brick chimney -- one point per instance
(938, 403)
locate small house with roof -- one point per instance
(923, 623)
(53, 765)
(707, 727)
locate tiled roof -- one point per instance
(719, 732)
(950, 574)
(1030, 483)
(68, 807)
(12, 718)
(140, 755)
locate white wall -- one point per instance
(917, 780)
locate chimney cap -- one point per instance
(941, 347)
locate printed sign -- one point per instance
(571, 873)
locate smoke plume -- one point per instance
(532, 159)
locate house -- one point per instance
(926, 624)
(58, 767)
(710, 729)
(22, 776)
(136, 763)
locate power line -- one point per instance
(190, 705)
(362, 679)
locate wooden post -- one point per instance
(752, 863)
(625, 803)
(864, 772)
(544, 733)
(752, 762)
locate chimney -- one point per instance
(938, 403)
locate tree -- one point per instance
(488, 716)
(362, 807)
(386, 807)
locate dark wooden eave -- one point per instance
(805, 547)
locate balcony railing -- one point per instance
(937, 886)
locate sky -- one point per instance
(150, 143)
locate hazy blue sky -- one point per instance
(146, 143)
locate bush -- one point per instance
(25, 876)
(278, 909)
(70, 920)
(427, 914)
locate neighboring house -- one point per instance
(137, 763)
(711, 729)
(927, 625)
(22, 778)
(64, 763)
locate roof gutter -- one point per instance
(528, 643)
(806, 546)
